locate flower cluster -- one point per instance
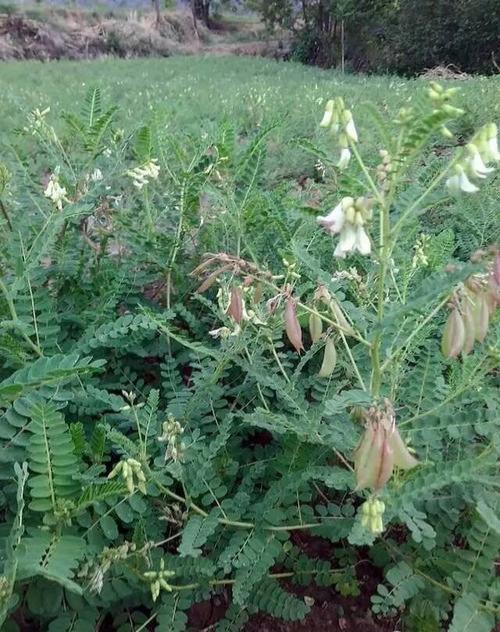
(339, 120)
(380, 450)
(55, 192)
(372, 511)
(132, 474)
(481, 151)
(171, 435)
(158, 580)
(348, 219)
(141, 175)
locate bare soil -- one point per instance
(65, 34)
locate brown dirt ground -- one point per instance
(84, 35)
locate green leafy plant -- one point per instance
(192, 374)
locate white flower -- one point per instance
(222, 332)
(491, 152)
(475, 163)
(347, 241)
(96, 175)
(363, 244)
(345, 157)
(350, 128)
(328, 115)
(353, 239)
(334, 221)
(140, 175)
(55, 192)
(460, 182)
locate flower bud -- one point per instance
(329, 359)
(453, 335)
(292, 326)
(315, 327)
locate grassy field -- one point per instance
(192, 95)
(188, 98)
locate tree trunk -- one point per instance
(156, 5)
(201, 10)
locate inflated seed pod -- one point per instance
(402, 456)
(481, 316)
(338, 316)
(468, 315)
(368, 463)
(292, 325)
(329, 359)
(386, 464)
(453, 335)
(315, 327)
(235, 309)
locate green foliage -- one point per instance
(134, 443)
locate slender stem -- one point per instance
(367, 175)
(385, 247)
(278, 361)
(415, 332)
(434, 183)
(6, 215)
(16, 320)
(148, 211)
(259, 390)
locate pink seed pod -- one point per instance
(402, 456)
(468, 315)
(385, 464)
(367, 460)
(481, 316)
(453, 335)
(235, 309)
(496, 268)
(292, 326)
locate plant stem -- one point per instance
(415, 332)
(6, 215)
(385, 249)
(16, 320)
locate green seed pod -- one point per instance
(329, 359)
(453, 335)
(315, 327)
(338, 316)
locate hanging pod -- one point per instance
(402, 456)
(235, 309)
(453, 338)
(315, 327)
(329, 359)
(481, 316)
(292, 325)
(468, 315)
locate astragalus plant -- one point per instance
(196, 370)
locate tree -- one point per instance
(201, 11)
